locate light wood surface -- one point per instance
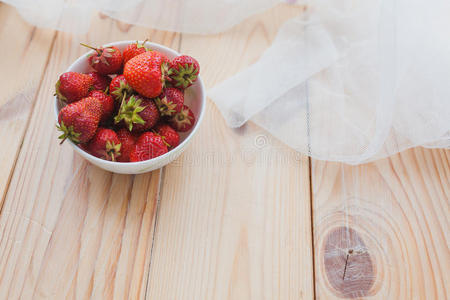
(391, 219)
(68, 229)
(22, 46)
(232, 218)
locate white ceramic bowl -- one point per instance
(194, 98)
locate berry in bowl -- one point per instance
(130, 107)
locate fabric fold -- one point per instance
(298, 52)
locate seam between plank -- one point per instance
(158, 200)
(19, 149)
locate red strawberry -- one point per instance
(128, 141)
(73, 86)
(119, 88)
(170, 137)
(105, 144)
(133, 50)
(146, 73)
(148, 146)
(184, 120)
(101, 82)
(79, 120)
(105, 60)
(184, 71)
(84, 147)
(170, 102)
(137, 113)
(107, 104)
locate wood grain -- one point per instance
(389, 221)
(22, 45)
(69, 230)
(233, 221)
(234, 217)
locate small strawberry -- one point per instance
(137, 113)
(128, 141)
(105, 144)
(73, 86)
(119, 88)
(170, 102)
(133, 50)
(147, 73)
(105, 60)
(79, 120)
(184, 71)
(101, 82)
(170, 137)
(107, 104)
(184, 120)
(148, 146)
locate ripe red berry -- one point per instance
(137, 114)
(107, 104)
(78, 121)
(119, 88)
(170, 101)
(73, 86)
(147, 72)
(105, 144)
(184, 71)
(133, 50)
(184, 120)
(128, 141)
(170, 137)
(149, 145)
(105, 60)
(101, 82)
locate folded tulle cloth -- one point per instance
(351, 81)
(348, 80)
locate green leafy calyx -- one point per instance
(58, 92)
(112, 150)
(129, 112)
(68, 133)
(123, 89)
(165, 107)
(184, 76)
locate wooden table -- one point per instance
(232, 218)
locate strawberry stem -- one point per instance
(93, 48)
(123, 99)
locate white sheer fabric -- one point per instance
(355, 81)
(192, 16)
(350, 80)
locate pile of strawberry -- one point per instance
(131, 107)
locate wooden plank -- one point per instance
(68, 229)
(22, 46)
(389, 221)
(234, 217)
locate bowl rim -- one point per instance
(155, 160)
